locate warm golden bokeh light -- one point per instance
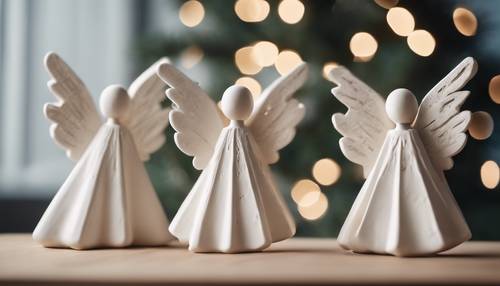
(309, 199)
(251, 84)
(421, 43)
(303, 187)
(465, 21)
(245, 62)
(481, 125)
(287, 60)
(291, 11)
(387, 4)
(251, 10)
(363, 45)
(490, 174)
(191, 56)
(326, 171)
(494, 89)
(327, 68)
(191, 13)
(265, 53)
(316, 210)
(401, 21)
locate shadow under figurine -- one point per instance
(405, 207)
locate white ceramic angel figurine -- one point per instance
(234, 206)
(405, 207)
(108, 199)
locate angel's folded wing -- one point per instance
(439, 121)
(195, 116)
(147, 119)
(276, 114)
(75, 117)
(365, 124)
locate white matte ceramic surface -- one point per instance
(108, 199)
(234, 205)
(405, 207)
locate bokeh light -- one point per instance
(490, 174)
(252, 84)
(465, 21)
(245, 61)
(494, 89)
(387, 4)
(363, 45)
(287, 60)
(326, 171)
(252, 10)
(316, 210)
(421, 43)
(302, 188)
(328, 67)
(191, 13)
(481, 125)
(291, 11)
(401, 21)
(191, 56)
(265, 53)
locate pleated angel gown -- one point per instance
(405, 207)
(107, 200)
(234, 206)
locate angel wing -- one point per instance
(75, 117)
(365, 124)
(195, 116)
(439, 121)
(147, 119)
(276, 114)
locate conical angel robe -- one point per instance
(107, 200)
(234, 206)
(405, 207)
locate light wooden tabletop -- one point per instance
(296, 261)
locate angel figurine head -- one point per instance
(234, 205)
(107, 199)
(405, 206)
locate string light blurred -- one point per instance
(191, 13)
(265, 53)
(465, 21)
(287, 60)
(481, 125)
(363, 46)
(302, 188)
(291, 11)
(191, 56)
(490, 174)
(326, 171)
(252, 10)
(401, 21)
(494, 89)
(387, 4)
(327, 68)
(245, 61)
(316, 210)
(251, 84)
(421, 42)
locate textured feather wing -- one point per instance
(276, 114)
(365, 124)
(147, 119)
(75, 117)
(195, 116)
(439, 121)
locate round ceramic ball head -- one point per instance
(401, 106)
(481, 125)
(114, 102)
(237, 102)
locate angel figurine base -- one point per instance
(405, 207)
(234, 205)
